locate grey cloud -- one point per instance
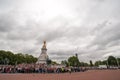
(65, 31)
(107, 35)
(95, 23)
(62, 53)
(100, 27)
(59, 58)
(6, 23)
(106, 41)
(56, 33)
(114, 43)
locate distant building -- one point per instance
(42, 59)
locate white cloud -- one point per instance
(89, 28)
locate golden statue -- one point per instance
(44, 45)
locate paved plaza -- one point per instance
(88, 75)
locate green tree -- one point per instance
(29, 58)
(104, 62)
(20, 58)
(65, 63)
(112, 61)
(91, 64)
(118, 61)
(7, 57)
(49, 61)
(97, 63)
(84, 64)
(73, 61)
(54, 62)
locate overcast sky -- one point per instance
(90, 28)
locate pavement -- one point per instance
(87, 75)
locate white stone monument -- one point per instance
(42, 59)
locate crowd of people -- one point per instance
(38, 68)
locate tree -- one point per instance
(20, 58)
(73, 61)
(10, 57)
(1, 60)
(54, 62)
(65, 63)
(118, 61)
(112, 61)
(84, 64)
(49, 61)
(7, 57)
(97, 63)
(29, 58)
(91, 64)
(104, 62)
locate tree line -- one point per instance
(74, 61)
(8, 57)
(110, 61)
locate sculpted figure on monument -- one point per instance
(44, 45)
